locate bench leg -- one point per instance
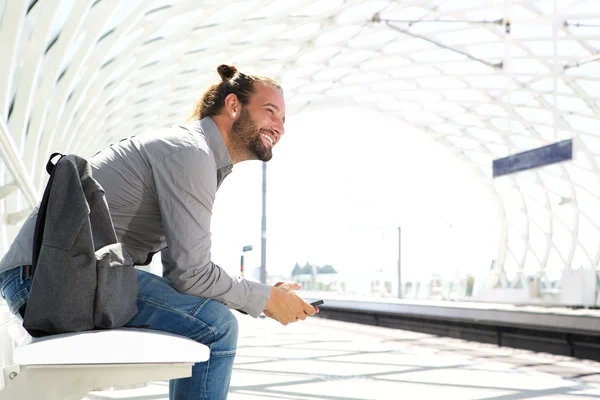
(73, 382)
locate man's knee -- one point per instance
(223, 325)
(228, 328)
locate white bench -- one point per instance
(69, 366)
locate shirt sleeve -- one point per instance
(186, 184)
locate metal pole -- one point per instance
(263, 236)
(242, 266)
(399, 263)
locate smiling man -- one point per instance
(160, 187)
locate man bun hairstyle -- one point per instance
(232, 82)
(226, 72)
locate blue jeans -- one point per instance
(162, 308)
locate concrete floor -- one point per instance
(331, 360)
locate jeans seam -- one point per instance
(212, 330)
(205, 377)
(230, 353)
(199, 305)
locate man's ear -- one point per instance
(232, 105)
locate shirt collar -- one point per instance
(216, 142)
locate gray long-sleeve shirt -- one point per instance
(160, 187)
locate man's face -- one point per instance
(260, 124)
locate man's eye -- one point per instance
(271, 111)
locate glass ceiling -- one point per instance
(487, 77)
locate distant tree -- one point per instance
(297, 270)
(307, 269)
(326, 269)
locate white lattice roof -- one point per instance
(76, 75)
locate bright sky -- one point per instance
(340, 183)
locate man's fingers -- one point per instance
(308, 309)
(294, 285)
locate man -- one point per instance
(160, 187)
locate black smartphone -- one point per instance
(317, 303)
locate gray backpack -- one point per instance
(83, 279)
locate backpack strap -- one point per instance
(38, 233)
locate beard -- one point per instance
(246, 130)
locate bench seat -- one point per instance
(69, 366)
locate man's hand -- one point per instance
(285, 306)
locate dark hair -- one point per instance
(232, 82)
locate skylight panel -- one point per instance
(316, 8)
(282, 52)
(410, 13)
(444, 107)
(584, 124)
(490, 110)
(377, 98)
(374, 38)
(584, 8)
(339, 35)
(547, 85)
(531, 30)
(406, 46)
(436, 55)
(403, 106)
(489, 135)
(584, 178)
(249, 54)
(422, 117)
(361, 12)
(303, 31)
(424, 95)
(498, 151)
(275, 9)
(123, 11)
(333, 73)
(261, 32)
(322, 55)
(566, 48)
(364, 78)
(315, 87)
(304, 70)
(232, 11)
(569, 104)
(536, 115)
(393, 85)
(468, 120)
(441, 83)
(352, 57)
(468, 69)
(215, 38)
(529, 66)
(520, 98)
(468, 36)
(464, 143)
(345, 91)
(385, 62)
(592, 142)
(525, 143)
(414, 71)
(592, 88)
(466, 95)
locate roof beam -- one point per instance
(15, 164)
